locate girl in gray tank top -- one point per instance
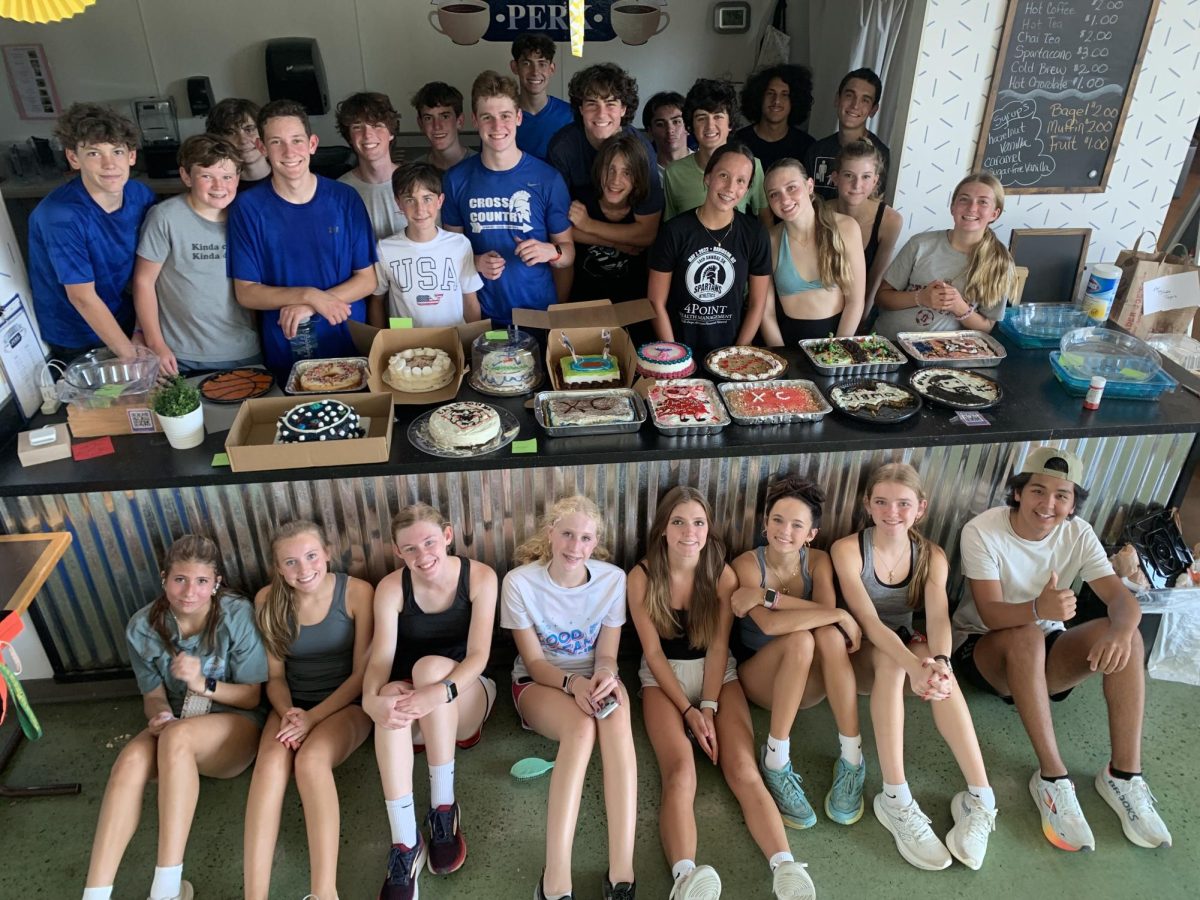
(794, 646)
(886, 572)
(316, 626)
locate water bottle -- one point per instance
(304, 344)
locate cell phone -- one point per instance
(607, 705)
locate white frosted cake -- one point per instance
(419, 369)
(465, 424)
(508, 371)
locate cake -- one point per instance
(420, 369)
(665, 359)
(597, 409)
(677, 405)
(755, 402)
(236, 385)
(597, 369)
(330, 375)
(508, 371)
(464, 424)
(745, 364)
(853, 351)
(320, 420)
(872, 397)
(953, 347)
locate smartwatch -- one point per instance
(710, 704)
(210, 685)
(771, 598)
(451, 690)
(943, 658)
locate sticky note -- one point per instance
(404, 322)
(112, 391)
(529, 446)
(220, 459)
(498, 335)
(91, 449)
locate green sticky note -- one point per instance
(220, 459)
(112, 391)
(400, 323)
(529, 446)
(498, 335)
(1135, 374)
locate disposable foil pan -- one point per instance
(812, 346)
(721, 415)
(908, 340)
(541, 415)
(303, 365)
(729, 388)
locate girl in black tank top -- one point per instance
(870, 577)
(425, 687)
(679, 600)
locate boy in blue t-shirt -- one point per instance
(301, 249)
(511, 206)
(82, 237)
(542, 115)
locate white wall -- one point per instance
(949, 95)
(120, 49)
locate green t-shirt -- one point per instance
(683, 183)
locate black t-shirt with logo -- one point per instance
(709, 275)
(795, 145)
(605, 273)
(822, 157)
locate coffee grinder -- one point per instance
(159, 126)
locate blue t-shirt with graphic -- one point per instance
(496, 210)
(318, 244)
(536, 129)
(73, 241)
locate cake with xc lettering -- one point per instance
(665, 359)
(464, 424)
(420, 369)
(320, 420)
(594, 409)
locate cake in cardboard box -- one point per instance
(580, 369)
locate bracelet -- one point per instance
(568, 680)
(608, 670)
(943, 658)
(710, 704)
(1036, 617)
(970, 309)
(685, 712)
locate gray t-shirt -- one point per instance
(925, 258)
(386, 217)
(197, 312)
(424, 157)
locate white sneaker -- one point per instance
(914, 838)
(185, 891)
(791, 882)
(973, 823)
(1063, 823)
(702, 883)
(1133, 802)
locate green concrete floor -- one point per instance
(44, 843)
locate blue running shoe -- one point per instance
(784, 785)
(844, 802)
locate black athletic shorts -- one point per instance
(963, 661)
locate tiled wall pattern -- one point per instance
(954, 74)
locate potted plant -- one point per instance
(176, 402)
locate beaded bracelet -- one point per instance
(970, 309)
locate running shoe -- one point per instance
(403, 868)
(844, 802)
(622, 890)
(784, 785)
(540, 893)
(791, 882)
(1133, 802)
(702, 883)
(973, 824)
(914, 838)
(185, 891)
(447, 848)
(1063, 823)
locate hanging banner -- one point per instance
(467, 22)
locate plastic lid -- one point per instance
(1098, 382)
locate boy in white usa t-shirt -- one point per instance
(1020, 561)
(427, 274)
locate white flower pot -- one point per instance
(186, 431)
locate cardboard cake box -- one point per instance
(587, 320)
(251, 445)
(379, 345)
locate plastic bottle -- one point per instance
(304, 344)
(1095, 392)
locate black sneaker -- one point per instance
(622, 890)
(403, 867)
(447, 848)
(540, 893)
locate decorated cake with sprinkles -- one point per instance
(321, 420)
(665, 359)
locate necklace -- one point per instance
(785, 583)
(891, 572)
(719, 241)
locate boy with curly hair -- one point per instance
(776, 101)
(368, 122)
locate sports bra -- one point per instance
(872, 246)
(787, 279)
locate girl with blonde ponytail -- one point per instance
(886, 571)
(946, 280)
(819, 273)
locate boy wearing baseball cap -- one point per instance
(1010, 640)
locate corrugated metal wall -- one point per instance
(111, 568)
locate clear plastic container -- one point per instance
(1077, 385)
(505, 362)
(1119, 357)
(1182, 349)
(1045, 320)
(97, 378)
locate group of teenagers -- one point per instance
(757, 236)
(782, 626)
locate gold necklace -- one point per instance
(719, 241)
(891, 572)
(784, 583)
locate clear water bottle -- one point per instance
(304, 344)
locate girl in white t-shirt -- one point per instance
(887, 571)
(566, 608)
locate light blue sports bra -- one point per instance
(787, 279)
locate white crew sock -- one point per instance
(98, 893)
(441, 785)
(984, 795)
(851, 748)
(168, 880)
(403, 820)
(778, 750)
(897, 795)
(780, 858)
(682, 868)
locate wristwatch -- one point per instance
(943, 658)
(451, 690)
(710, 704)
(210, 686)
(771, 598)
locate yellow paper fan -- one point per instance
(41, 11)
(576, 12)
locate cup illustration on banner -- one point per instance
(636, 21)
(463, 21)
(1102, 281)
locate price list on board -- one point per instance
(1061, 87)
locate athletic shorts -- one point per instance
(690, 674)
(963, 661)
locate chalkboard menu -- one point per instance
(1063, 80)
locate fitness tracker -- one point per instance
(210, 685)
(770, 598)
(710, 704)
(451, 690)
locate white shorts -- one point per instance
(690, 675)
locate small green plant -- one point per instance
(175, 397)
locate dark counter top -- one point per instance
(1035, 407)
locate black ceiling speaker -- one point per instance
(295, 72)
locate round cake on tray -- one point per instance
(504, 362)
(456, 426)
(420, 369)
(320, 420)
(665, 359)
